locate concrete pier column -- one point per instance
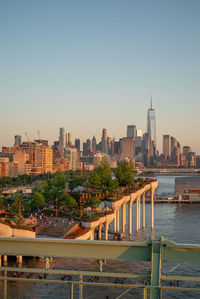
(106, 230)
(152, 209)
(124, 218)
(136, 202)
(5, 260)
(19, 259)
(130, 217)
(100, 227)
(143, 211)
(92, 234)
(139, 212)
(117, 219)
(115, 223)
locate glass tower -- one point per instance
(151, 124)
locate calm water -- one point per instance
(176, 222)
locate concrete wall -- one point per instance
(7, 231)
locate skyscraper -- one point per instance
(62, 138)
(94, 144)
(167, 146)
(18, 140)
(104, 145)
(151, 124)
(131, 131)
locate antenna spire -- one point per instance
(151, 106)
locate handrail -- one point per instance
(152, 250)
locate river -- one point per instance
(176, 222)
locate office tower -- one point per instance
(138, 133)
(186, 150)
(104, 145)
(62, 138)
(94, 144)
(131, 131)
(109, 145)
(167, 146)
(151, 124)
(18, 140)
(147, 150)
(69, 139)
(72, 154)
(77, 143)
(127, 148)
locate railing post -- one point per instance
(71, 291)
(145, 293)
(80, 287)
(5, 285)
(155, 268)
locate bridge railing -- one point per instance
(154, 251)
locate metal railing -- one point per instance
(154, 251)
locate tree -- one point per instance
(105, 173)
(68, 201)
(125, 173)
(94, 180)
(37, 201)
(16, 205)
(2, 207)
(114, 185)
(93, 202)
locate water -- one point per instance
(176, 222)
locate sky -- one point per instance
(88, 65)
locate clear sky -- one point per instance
(87, 65)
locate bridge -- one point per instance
(156, 252)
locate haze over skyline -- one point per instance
(88, 65)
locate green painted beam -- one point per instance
(155, 268)
(128, 251)
(179, 253)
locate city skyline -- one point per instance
(62, 66)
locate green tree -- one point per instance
(114, 185)
(93, 202)
(105, 173)
(94, 180)
(16, 202)
(125, 173)
(37, 201)
(68, 201)
(2, 207)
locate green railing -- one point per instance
(153, 251)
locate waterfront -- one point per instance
(177, 222)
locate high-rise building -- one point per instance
(72, 154)
(78, 143)
(127, 148)
(94, 144)
(62, 138)
(167, 146)
(131, 131)
(104, 144)
(139, 133)
(40, 156)
(18, 140)
(147, 150)
(69, 139)
(151, 124)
